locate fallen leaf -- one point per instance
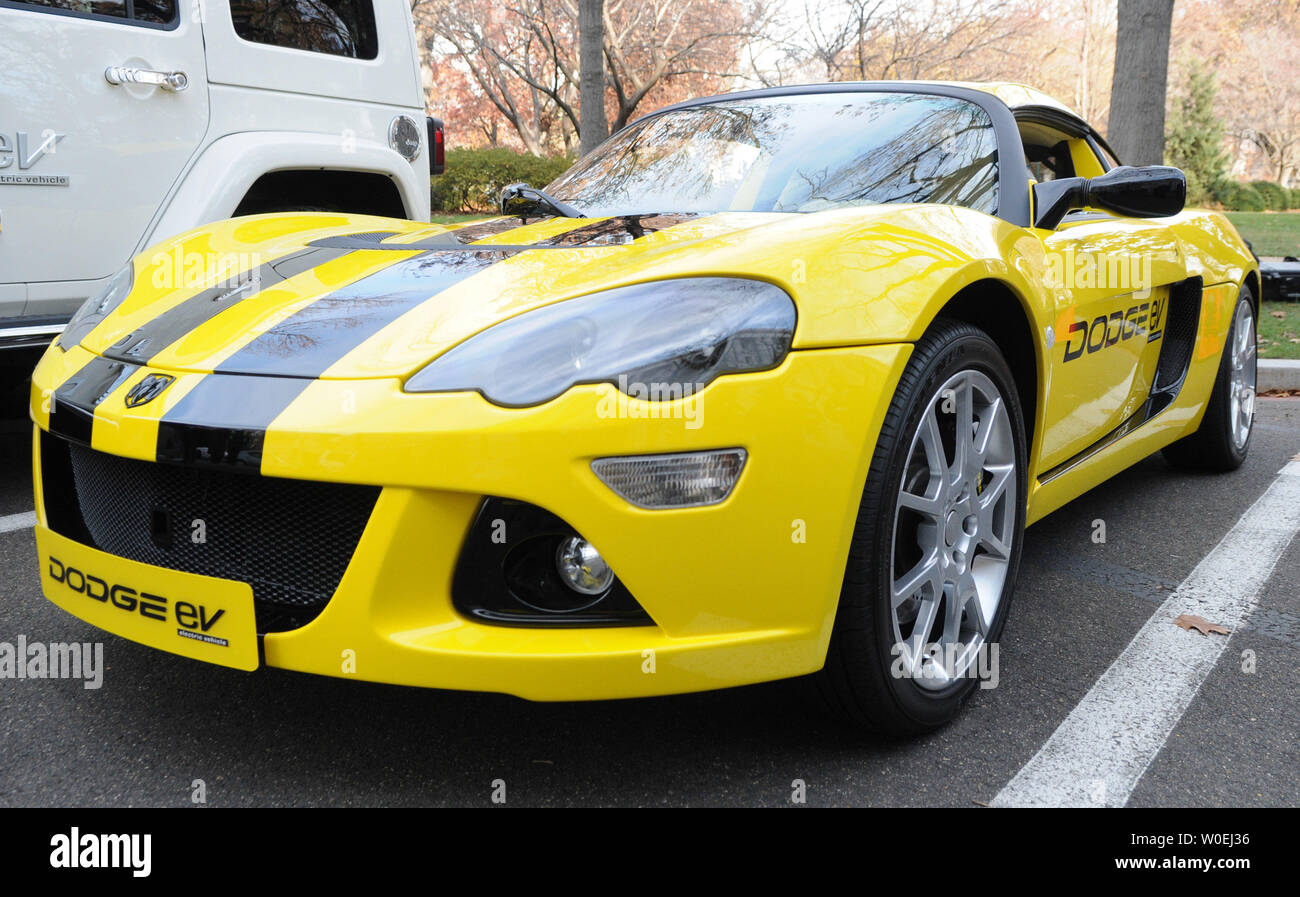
(1200, 624)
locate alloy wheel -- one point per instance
(954, 522)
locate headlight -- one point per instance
(683, 332)
(98, 307)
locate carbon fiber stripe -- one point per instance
(234, 412)
(146, 341)
(615, 231)
(606, 232)
(223, 419)
(485, 229)
(72, 407)
(307, 342)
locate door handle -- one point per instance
(170, 81)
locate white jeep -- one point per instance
(123, 122)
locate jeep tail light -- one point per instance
(437, 145)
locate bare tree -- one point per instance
(649, 42)
(879, 39)
(512, 55)
(1137, 98)
(1261, 78)
(525, 56)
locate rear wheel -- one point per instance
(937, 542)
(1223, 438)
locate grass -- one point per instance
(1274, 234)
(1279, 330)
(1270, 233)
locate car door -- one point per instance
(85, 164)
(1110, 279)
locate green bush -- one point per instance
(1238, 197)
(473, 178)
(1275, 196)
(1197, 194)
(1295, 197)
(1194, 133)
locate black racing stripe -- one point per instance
(147, 340)
(617, 231)
(610, 232)
(222, 421)
(439, 244)
(457, 237)
(72, 407)
(315, 337)
(485, 229)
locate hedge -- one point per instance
(1238, 197)
(1275, 196)
(1295, 197)
(473, 178)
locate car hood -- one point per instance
(332, 296)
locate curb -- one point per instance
(1278, 373)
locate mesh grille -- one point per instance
(1179, 334)
(291, 540)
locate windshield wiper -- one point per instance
(522, 201)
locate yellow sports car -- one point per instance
(769, 384)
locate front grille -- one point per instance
(291, 540)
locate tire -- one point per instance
(862, 679)
(1222, 440)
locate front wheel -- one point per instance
(1223, 438)
(937, 542)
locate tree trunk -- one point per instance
(591, 63)
(1137, 98)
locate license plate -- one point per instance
(196, 616)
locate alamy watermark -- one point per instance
(659, 401)
(55, 660)
(178, 270)
(947, 663)
(1128, 272)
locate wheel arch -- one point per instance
(354, 192)
(1252, 281)
(219, 179)
(996, 308)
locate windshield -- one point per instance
(798, 153)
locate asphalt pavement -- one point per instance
(275, 738)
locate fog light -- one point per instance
(582, 568)
(687, 480)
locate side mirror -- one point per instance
(1151, 191)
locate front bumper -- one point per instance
(739, 592)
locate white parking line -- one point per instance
(17, 521)
(1101, 750)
